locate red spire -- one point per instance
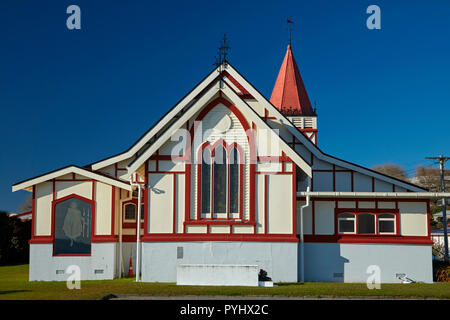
(289, 93)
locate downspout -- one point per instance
(302, 240)
(138, 229)
(120, 241)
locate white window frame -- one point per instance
(394, 219)
(339, 219)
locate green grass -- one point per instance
(14, 284)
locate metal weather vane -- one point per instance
(290, 23)
(222, 52)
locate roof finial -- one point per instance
(221, 56)
(290, 23)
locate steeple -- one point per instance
(289, 93)
(290, 97)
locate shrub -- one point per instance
(14, 236)
(441, 271)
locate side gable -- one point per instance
(162, 124)
(275, 113)
(72, 169)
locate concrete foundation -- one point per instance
(161, 259)
(335, 262)
(100, 265)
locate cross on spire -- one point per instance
(222, 52)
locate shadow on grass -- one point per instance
(13, 291)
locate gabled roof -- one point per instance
(289, 94)
(226, 89)
(68, 170)
(178, 110)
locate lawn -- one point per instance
(14, 284)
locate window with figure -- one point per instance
(72, 227)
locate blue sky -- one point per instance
(78, 96)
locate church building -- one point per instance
(228, 176)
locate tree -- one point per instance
(430, 178)
(392, 170)
(26, 205)
(14, 236)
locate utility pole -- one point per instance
(442, 161)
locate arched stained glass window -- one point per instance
(220, 186)
(206, 181)
(233, 187)
(220, 180)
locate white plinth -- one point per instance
(266, 283)
(217, 275)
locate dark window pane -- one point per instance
(234, 182)
(130, 211)
(346, 226)
(220, 181)
(142, 211)
(366, 223)
(386, 215)
(72, 227)
(346, 215)
(386, 226)
(206, 182)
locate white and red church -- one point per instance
(229, 177)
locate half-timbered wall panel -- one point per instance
(279, 205)
(103, 196)
(160, 197)
(260, 203)
(413, 221)
(81, 188)
(343, 181)
(362, 183)
(324, 217)
(382, 186)
(43, 215)
(323, 181)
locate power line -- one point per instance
(442, 161)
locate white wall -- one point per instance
(160, 203)
(43, 209)
(279, 204)
(413, 218)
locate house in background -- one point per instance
(229, 177)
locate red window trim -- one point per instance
(252, 151)
(127, 223)
(228, 148)
(375, 212)
(71, 196)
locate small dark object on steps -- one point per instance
(262, 276)
(109, 296)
